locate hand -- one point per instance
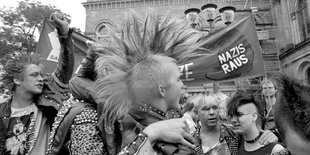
(170, 131)
(268, 137)
(183, 150)
(61, 22)
(270, 100)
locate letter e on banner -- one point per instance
(185, 73)
(54, 41)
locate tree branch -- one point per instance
(17, 26)
(34, 29)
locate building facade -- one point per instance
(104, 15)
(294, 37)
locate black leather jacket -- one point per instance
(55, 90)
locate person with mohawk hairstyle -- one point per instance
(145, 82)
(81, 86)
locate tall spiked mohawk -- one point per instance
(159, 35)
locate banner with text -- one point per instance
(232, 53)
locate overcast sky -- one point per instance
(72, 7)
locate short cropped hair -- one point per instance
(150, 72)
(293, 107)
(242, 98)
(15, 68)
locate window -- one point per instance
(303, 19)
(103, 30)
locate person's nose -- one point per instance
(233, 119)
(40, 78)
(212, 111)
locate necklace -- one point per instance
(255, 139)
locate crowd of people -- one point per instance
(119, 102)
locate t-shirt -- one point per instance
(21, 130)
(220, 148)
(265, 150)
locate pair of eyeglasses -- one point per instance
(239, 114)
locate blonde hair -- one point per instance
(205, 99)
(128, 55)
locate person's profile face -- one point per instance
(32, 81)
(244, 118)
(174, 86)
(296, 144)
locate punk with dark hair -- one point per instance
(244, 111)
(292, 113)
(26, 117)
(15, 67)
(241, 98)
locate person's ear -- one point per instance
(255, 117)
(16, 81)
(195, 111)
(161, 90)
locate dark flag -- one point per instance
(232, 53)
(49, 47)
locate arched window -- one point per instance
(103, 30)
(303, 19)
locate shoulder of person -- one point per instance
(88, 115)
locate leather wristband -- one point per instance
(135, 146)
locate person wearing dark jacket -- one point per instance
(26, 117)
(82, 88)
(144, 82)
(127, 110)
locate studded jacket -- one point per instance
(131, 127)
(74, 131)
(226, 136)
(55, 90)
(132, 141)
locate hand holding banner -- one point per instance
(49, 47)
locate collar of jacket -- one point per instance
(5, 108)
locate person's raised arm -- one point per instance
(65, 66)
